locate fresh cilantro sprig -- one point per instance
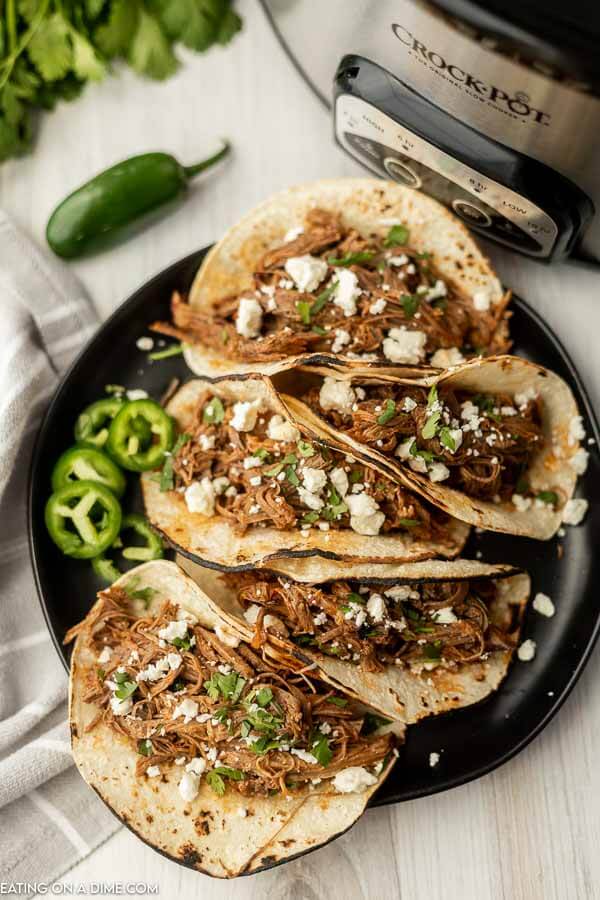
(397, 236)
(51, 49)
(167, 480)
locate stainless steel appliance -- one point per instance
(492, 107)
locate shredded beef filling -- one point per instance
(247, 717)
(395, 287)
(419, 626)
(271, 490)
(481, 444)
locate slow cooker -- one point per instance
(491, 107)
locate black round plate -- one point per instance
(472, 741)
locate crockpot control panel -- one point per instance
(500, 194)
(393, 151)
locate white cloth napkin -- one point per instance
(49, 819)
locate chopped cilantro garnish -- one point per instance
(397, 236)
(101, 674)
(264, 744)
(388, 413)
(289, 459)
(432, 651)
(305, 448)
(321, 300)
(262, 453)
(173, 350)
(446, 438)
(550, 497)
(355, 476)
(310, 517)
(429, 429)
(522, 485)
(183, 643)
(228, 772)
(126, 688)
(213, 413)
(372, 722)
(167, 482)
(290, 474)
(321, 750)
(352, 259)
(408, 523)
(224, 336)
(356, 598)
(303, 640)
(318, 330)
(145, 747)
(304, 310)
(486, 406)
(136, 593)
(228, 686)
(337, 701)
(264, 696)
(410, 304)
(215, 783)
(432, 396)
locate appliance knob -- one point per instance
(399, 171)
(472, 214)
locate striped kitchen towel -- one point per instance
(49, 819)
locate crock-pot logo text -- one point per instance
(517, 104)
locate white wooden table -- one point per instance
(530, 830)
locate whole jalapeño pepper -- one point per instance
(116, 201)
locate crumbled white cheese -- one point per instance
(256, 480)
(339, 480)
(408, 404)
(444, 358)
(196, 766)
(306, 271)
(526, 651)
(397, 260)
(579, 461)
(188, 709)
(544, 605)
(221, 485)
(522, 503)
(338, 395)
(105, 655)
(144, 343)
(249, 317)
(525, 397)
(252, 462)
(200, 497)
(342, 337)
(175, 629)
(365, 515)
(482, 300)
(314, 480)
(402, 592)
(226, 636)
(189, 786)
(444, 616)
(207, 441)
(347, 291)
(251, 615)
(279, 429)
(378, 306)
(403, 346)
(305, 756)
(353, 780)
(245, 413)
(576, 430)
(403, 449)
(313, 501)
(153, 771)
(121, 707)
(437, 291)
(574, 511)
(137, 394)
(437, 471)
(434, 759)
(376, 607)
(156, 671)
(293, 233)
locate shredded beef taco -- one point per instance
(414, 640)
(217, 755)
(244, 486)
(493, 442)
(350, 272)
